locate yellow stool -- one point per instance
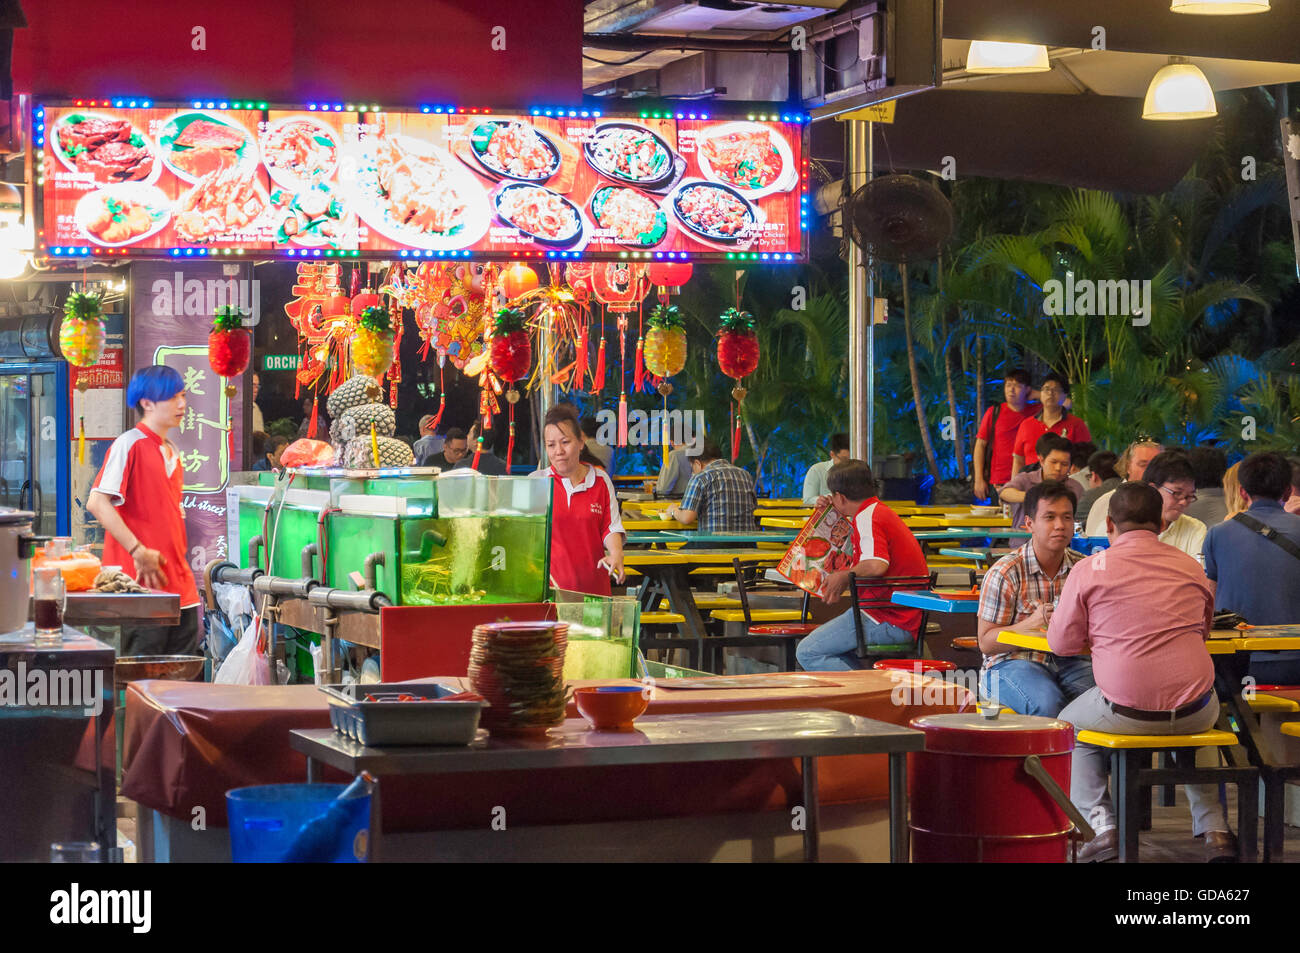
(1291, 728)
(1274, 704)
(1131, 775)
(756, 615)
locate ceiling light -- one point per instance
(989, 56)
(1219, 7)
(1179, 91)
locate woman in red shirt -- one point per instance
(586, 532)
(1053, 417)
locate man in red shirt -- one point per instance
(1052, 417)
(137, 498)
(997, 433)
(1144, 610)
(882, 546)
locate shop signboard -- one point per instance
(163, 334)
(328, 180)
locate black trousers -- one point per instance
(179, 639)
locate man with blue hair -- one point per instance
(137, 498)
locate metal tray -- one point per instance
(402, 723)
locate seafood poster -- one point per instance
(153, 180)
(822, 547)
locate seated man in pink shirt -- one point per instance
(1144, 609)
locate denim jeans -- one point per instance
(833, 645)
(1035, 688)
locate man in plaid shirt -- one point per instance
(720, 495)
(1018, 593)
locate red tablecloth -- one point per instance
(188, 743)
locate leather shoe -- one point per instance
(1220, 847)
(1103, 847)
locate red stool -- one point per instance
(911, 665)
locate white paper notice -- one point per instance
(102, 410)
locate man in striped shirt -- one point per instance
(720, 496)
(1018, 593)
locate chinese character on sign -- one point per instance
(193, 460)
(193, 378)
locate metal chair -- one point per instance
(875, 592)
(763, 631)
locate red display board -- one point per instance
(324, 181)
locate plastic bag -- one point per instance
(225, 626)
(247, 663)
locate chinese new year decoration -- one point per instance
(372, 347)
(229, 346)
(511, 355)
(81, 339)
(738, 357)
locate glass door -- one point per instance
(34, 447)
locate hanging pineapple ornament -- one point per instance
(372, 346)
(665, 353)
(81, 339)
(229, 346)
(511, 356)
(738, 357)
(81, 335)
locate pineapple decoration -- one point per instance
(665, 352)
(81, 339)
(81, 335)
(228, 345)
(228, 350)
(738, 357)
(372, 346)
(511, 356)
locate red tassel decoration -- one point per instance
(315, 411)
(510, 446)
(622, 420)
(598, 383)
(478, 452)
(580, 364)
(735, 434)
(638, 375)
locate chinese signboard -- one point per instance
(168, 180)
(162, 334)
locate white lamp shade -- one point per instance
(989, 56)
(1219, 7)
(1179, 91)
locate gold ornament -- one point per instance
(738, 393)
(512, 395)
(665, 388)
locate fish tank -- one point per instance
(604, 634)
(458, 538)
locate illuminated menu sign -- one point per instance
(159, 182)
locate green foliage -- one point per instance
(376, 319)
(228, 318)
(82, 307)
(666, 318)
(507, 321)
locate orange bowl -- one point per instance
(611, 707)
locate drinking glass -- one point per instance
(49, 599)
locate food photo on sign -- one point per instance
(170, 179)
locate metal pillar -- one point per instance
(862, 289)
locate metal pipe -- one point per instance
(279, 586)
(229, 572)
(368, 569)
(857, 172)
(254, 545)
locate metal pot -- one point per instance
(16, 546)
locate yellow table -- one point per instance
(800, 515)
(781, 522)
(653, 557)
(962, 522)
(1221, 642)
(780, 504)
(647, 526)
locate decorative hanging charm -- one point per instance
(518, 280)
(738, 357)
(81, 334)
(372, 346)
(665, 344)
(511, 356)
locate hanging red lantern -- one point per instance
(669, 274)
(737, 356)
(229, 345)
(510, 355)
(366, 299)
(336, 305)
(517, 280)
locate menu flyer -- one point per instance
(822, 547)
(158, 179)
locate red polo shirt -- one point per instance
(143, 478)
(581, 517)
(879, 533)
(1070, 427)
(1001, 441)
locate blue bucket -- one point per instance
(266, 820)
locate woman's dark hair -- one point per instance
(589, 458)
(854, 479)
(1049, 490)
(1102, 463)
(1264, 475)
(562, 414)
(589, 426)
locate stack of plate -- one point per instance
(519, 668)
